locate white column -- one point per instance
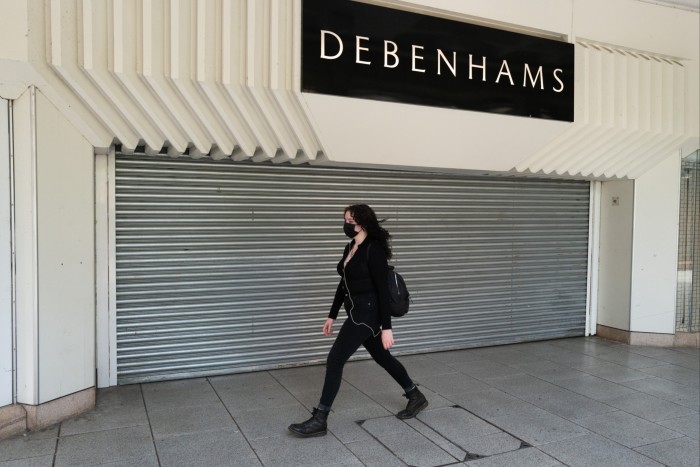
(25, 229)
(6, 324)
(54, 232)
(655, 249)
(105, 264)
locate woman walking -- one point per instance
(364, 292)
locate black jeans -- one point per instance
(349, 339)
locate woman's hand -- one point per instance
(387, 338)
(328, 327)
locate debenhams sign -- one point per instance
(358, 50)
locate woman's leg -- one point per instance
(416, 399)
(387, 361)
(349, 339)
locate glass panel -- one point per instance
(688, 295)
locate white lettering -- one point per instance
(323, 45)
(415, 57)
(504, 66)
(359, 48)
(561, 84)
(482, 66)
(392, 52)
(533, 81)
(452, 67)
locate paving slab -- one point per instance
(251, 391)
(485, 369)
(668, 390)
(29, 445)
(416, 450)
(101, 447)
(567, 404)
(489, 403)
(686, 360)
(623, 357)
(507, 356)
(575, 360)
(593, 449)
(689, 426)
(525, 387)
(288, 450)
(595, 388)
(681, 452)
(439, 440)
(649, 407)
(675, 373)
(529, 457)
(372, 454)
(221, 448)
(177, 421)
(453, 356)
(150, 461)
(270, 422)
(180, 393)
(536, 426)
(614, 372)
(118, 407)
(452, 383)
(43, 461)
(457, 425)
(627, 429)
(419, 365)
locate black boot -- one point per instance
(315, 426)
(416, 403)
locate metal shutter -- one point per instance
(225, 266)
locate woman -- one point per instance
(364, 292)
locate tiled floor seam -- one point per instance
(55, 448)
(150, 426)
(233, 419)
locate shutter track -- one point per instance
(227, 267)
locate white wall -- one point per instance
(55, 251)
(614, 267)
(66, 230)
(5, 261)
(655, 248)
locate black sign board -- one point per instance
(358, 50)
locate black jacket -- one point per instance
(365, 274)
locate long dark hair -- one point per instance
(367, 219)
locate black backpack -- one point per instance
(399, 298)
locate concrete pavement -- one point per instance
(578, 402)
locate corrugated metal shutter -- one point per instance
(225, 266)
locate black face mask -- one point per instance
(349, 230)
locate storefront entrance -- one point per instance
(224, 267)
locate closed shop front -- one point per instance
(224, 267)
(175, 175)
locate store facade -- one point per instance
(176, 175)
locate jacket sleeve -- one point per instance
(378, 270)
(340, 291)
